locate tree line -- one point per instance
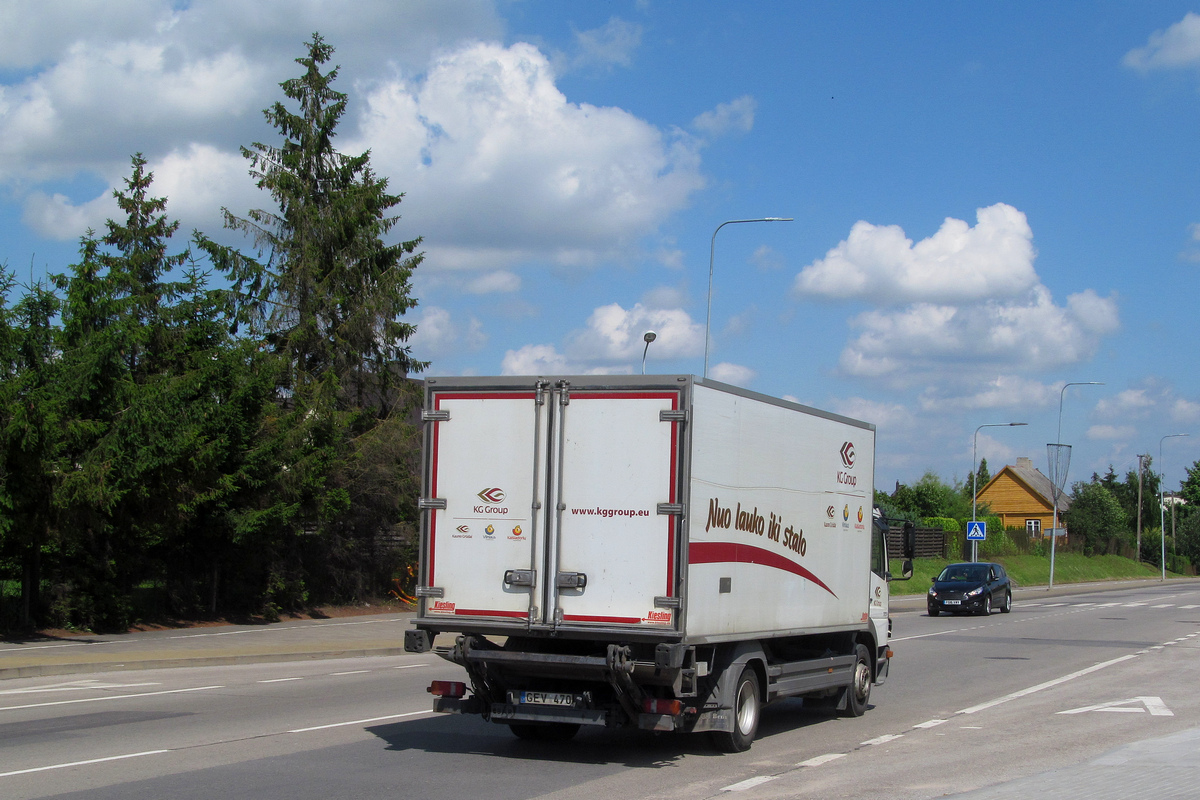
(1103, 517)
(215, 431)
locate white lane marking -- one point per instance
(289, 628)
(933, 723)
(1164, 605)
(819, 760)
(112, 697)
(1154, 705)
(1054, 605)
(352, 672)
(81, 763)
(749, 783)
(1048, 684)
(1082, 605)
(410, 666)
(280, 680)
(1191, 606)
(1109, 605)
(925, 635)
(888, 737)
(360, 721)
(1133, 605)
(50, 646)
(76, 686)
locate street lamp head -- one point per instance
(649, 337)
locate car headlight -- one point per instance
(975, 591)
(932, 593)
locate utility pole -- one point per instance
(1141, 467)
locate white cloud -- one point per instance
(500, 281)
(924, 340)
(438, 333)
(1113, 432)
(1185, 411)
(500, 166)
(736, 116)
(734, 374)
(1004, 391)
(1129, 403)
(973, 304)
(612, 44)
(614, 334)
(1177, 46)
(544, 359)
(957, 264)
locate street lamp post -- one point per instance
(648, 337)
(975, 479)
(1162, 518)
(712, 250)
(1063, 480)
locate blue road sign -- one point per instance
(976, 531)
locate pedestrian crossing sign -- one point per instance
(976, 531)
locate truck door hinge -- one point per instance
(666, 602)
(438, 415)
(670, 508)
(430, 591)
(673, 415)
(540, 395)
(564, 399)
(435, 503)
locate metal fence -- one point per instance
(931, 542)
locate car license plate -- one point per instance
(548, 698)
(952, 602)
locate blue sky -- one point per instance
(991, 200)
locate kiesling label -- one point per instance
(658, 617)
(441, 606)
(770, 527)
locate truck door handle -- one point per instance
(520, 577)
(571, 580)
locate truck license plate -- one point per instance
(953, 602)
(548, 698)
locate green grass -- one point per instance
(1035, 570)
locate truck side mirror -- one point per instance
(907, 569)
(910, 540)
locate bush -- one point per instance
(998, 544)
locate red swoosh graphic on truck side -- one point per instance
(721, 552)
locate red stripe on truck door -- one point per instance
(730, 552)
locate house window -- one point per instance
(1033, 527)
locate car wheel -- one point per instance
(987, 606)
(1007, 607)
(746, 706)
(858, 693)
(933, 612)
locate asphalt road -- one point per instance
(972, 702)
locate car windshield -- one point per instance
(964, 572)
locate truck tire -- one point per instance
(544, 732)
(858, 693)
(747, 704)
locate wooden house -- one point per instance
(1024, 498)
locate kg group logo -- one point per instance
(492, 495)
(847, 454)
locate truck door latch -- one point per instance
(520, 577)
(571, 580)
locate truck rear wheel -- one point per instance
(546, 732)
(746, 708)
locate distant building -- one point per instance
(1023, 497)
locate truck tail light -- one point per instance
(652, 705)
(455, 689)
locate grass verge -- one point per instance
(1035, 571)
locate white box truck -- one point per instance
(666, 552)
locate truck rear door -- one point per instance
(615, 481)
(554, 507)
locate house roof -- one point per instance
(1034, 481)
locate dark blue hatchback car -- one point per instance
(975, 587)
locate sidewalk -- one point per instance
(301, 640)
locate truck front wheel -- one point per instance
(858, 693)
(746, 707)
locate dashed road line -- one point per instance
(81, 763)
(110, 697)
(749, 783)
